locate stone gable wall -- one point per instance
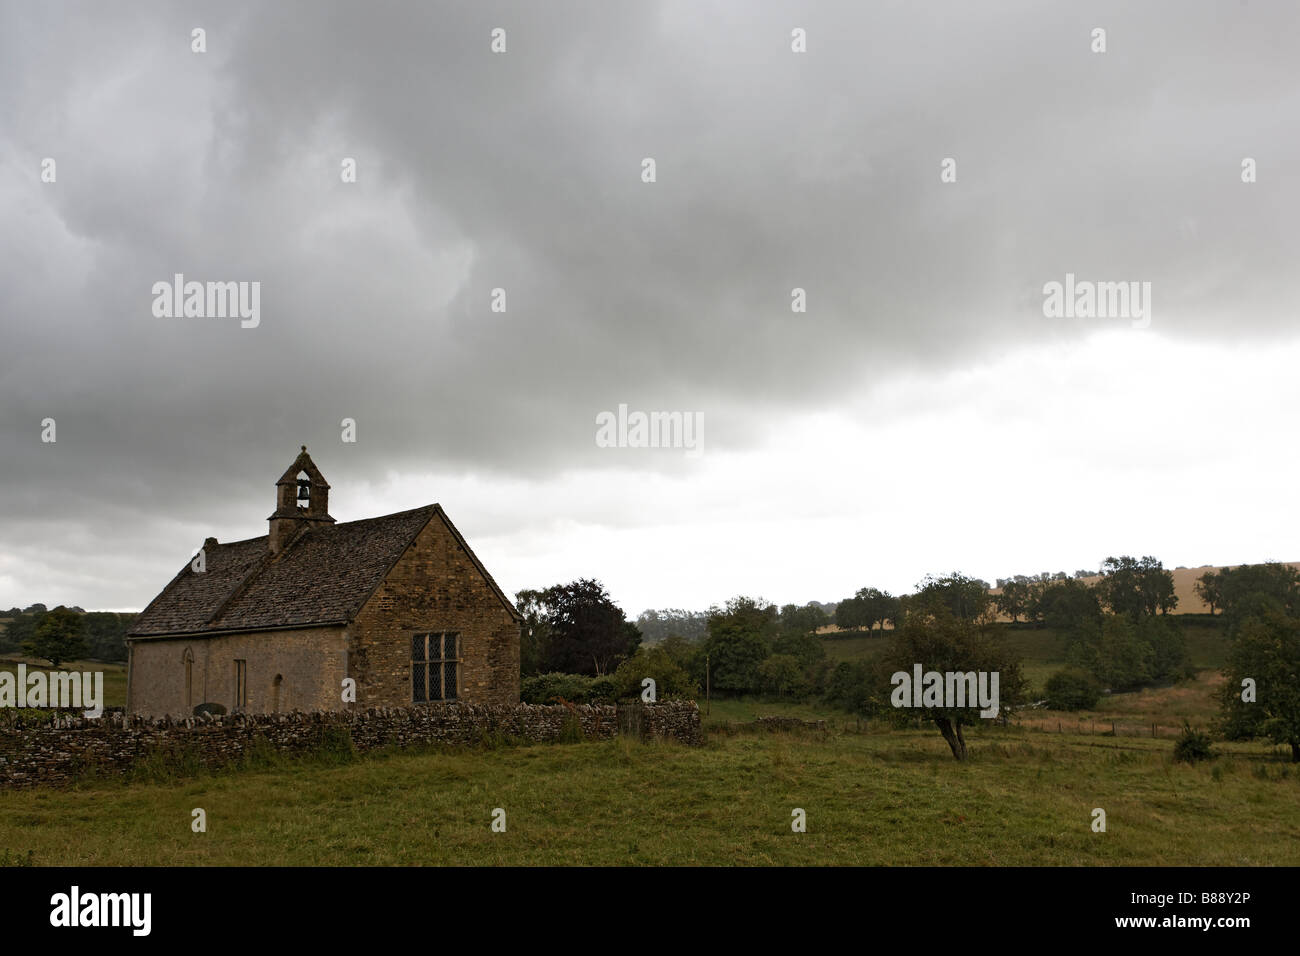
(435, 587)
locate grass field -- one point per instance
(871, 798)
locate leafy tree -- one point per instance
(895, 608)
(59, 637)
(1121, 660)
(1252, 589)
(682, 651)
(781, 674)
(655, 625)
(881, 607)
(802, 620)
(1169, 660)
(1125, 654)
(535, 635)
(1209, 588)
(810, 653)
(1014, 599)
(966, 599)
(861, 687)
(20, 631)
(1034, 601)
(867, 608)
(851, 613)
(1136, 586)
(846, 688)
(739, 640)
(940, 641)
(804, 648)
(585, 631)
(106, 635)
(1266, 650)
(1069, 606)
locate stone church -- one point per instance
(398, 603)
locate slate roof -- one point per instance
(324, 576)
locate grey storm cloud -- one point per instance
(522, 171)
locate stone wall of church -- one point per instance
(435, 587)
(309, 663)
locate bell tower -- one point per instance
(301, 502)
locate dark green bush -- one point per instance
(1192, 746)
(604, 690)
(551, 688)
(1072, 690)
(671, 681)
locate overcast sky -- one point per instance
(923, 415)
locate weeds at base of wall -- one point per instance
(571, 731)
(260, 754)
(165, 763)
(172, 762)
(335, 747)
(10, 857)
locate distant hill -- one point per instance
(1184, 583)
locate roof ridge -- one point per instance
(395, 514)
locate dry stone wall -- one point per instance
(55, 751)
